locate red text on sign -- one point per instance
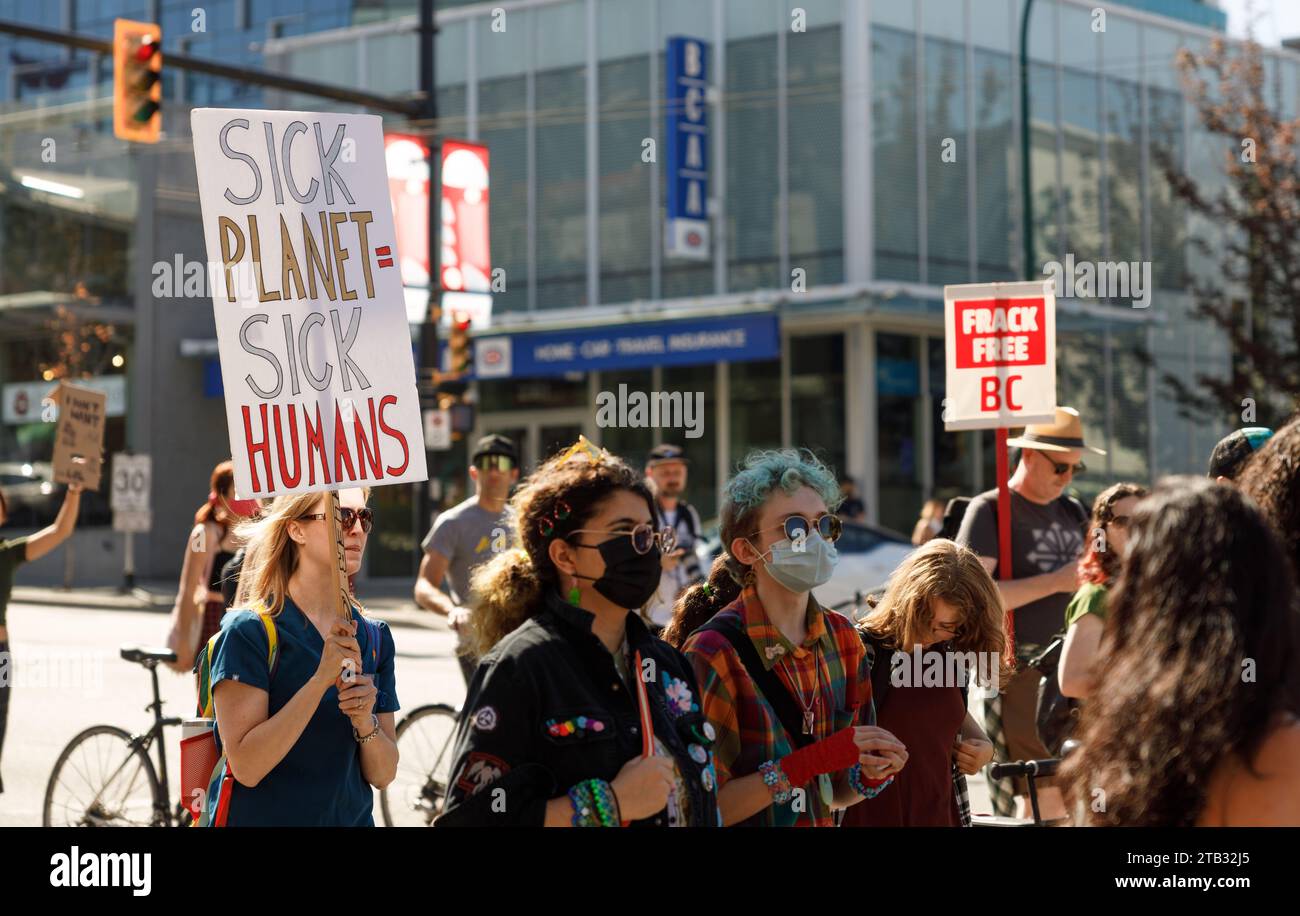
(1000, 332)
(996, 392)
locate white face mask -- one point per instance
(802, 570)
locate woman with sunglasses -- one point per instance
(786, 684)
(1085, 615)
(577, 715)
(308, 731)
(212, 542)
(941, 614)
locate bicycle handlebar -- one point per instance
(1039, 769)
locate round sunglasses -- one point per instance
(644, 536)
(797, 527)
(349, 518)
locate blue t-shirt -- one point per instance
(319, 782)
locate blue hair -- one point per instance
(762, 471)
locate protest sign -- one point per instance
(315, 349)
(1001, 355)
(79, 437)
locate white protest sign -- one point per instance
(1001, 355)
(311, 324)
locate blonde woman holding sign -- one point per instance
(305, 746)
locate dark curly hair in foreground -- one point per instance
(1271, 478)
(1198, 658)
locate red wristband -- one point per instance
(838, 752)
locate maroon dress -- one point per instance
(926, 720)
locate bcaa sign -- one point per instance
(1001, 355)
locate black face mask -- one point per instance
(630, 578)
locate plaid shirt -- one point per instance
(830, 663)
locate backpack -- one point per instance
(1055, 715)
(203, 752)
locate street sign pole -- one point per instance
(128, 563)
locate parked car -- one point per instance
(869, 554)
(29, 492)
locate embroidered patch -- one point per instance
(480, 770)
(579, 726)
(679, 696)
(485, 719)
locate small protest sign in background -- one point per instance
(316, 356)
(79, 438)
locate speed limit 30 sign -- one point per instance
(129, 493)
(1001, 355)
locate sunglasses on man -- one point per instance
(1059, 468)
(494, 463)
(349, 518)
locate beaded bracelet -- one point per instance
(584, 806)
(775, 780)
(606, 802)
(594, 804)
(855, 781)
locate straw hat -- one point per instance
(1064, 435)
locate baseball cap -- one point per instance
(495, 444)
(666, 452)
(1233, 450)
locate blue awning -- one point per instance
(689, 342)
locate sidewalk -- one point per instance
(389, 599)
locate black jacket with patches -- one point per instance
(512, 735)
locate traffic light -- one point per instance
(458, 343)
(459, 362)
(137, 81)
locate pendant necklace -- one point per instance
(825, 786)
(809, 706)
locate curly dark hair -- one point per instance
(509, 588)
(1205, 595)
(1271, 477)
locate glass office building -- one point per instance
(862, 154)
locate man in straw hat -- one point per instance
(1047, 532)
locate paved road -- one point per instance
(68, 675)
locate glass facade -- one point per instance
(569, 97)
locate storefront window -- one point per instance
(755, 408)
(901, 412)
(702, 479)
(955, 454)
(632, 444)
(528, 394)
(817, 407)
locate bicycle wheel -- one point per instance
(424, 746)
(100, 780)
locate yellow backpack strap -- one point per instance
(272, 640)
(205, 679)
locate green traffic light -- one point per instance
(146, 111)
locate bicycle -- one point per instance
(1031, 770)
(416, 794)
(125, 789)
